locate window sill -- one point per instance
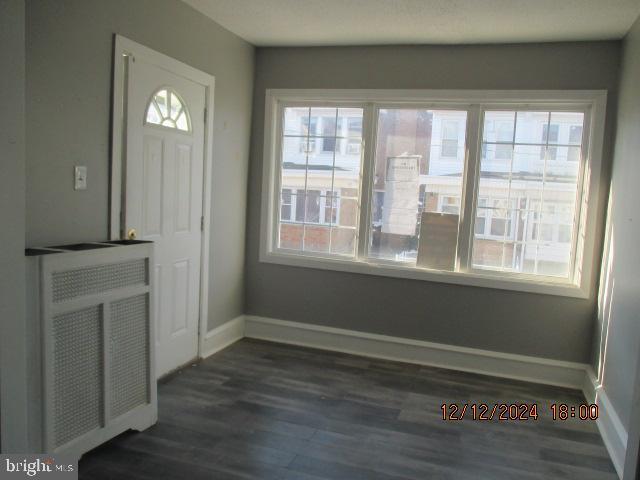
(495, 280)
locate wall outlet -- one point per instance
(80, 178)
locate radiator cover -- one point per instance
(91, 325)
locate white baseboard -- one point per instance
(613, 433)
(520, 367)
(222, 336)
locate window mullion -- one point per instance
(275, 170)
(366, 182)
(470, 187)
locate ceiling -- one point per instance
(388, 22)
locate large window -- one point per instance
(483, 188)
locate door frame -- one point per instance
(126, 51)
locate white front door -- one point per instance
(163, 198)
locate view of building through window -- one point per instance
(526, 199)
(527, 191)
(320, 180)
(419, 164)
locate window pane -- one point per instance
(320, 169)
(527, 224)
(449, 138)
(182, 122)
(573, 154)
(348, 212)
(564, 233)
(316, 238)
(575, 134)
(294, 163)
(550, 133)
(296, 121)
(286, 205)
(330, 206)
(328, 144)
(531, 127)
(503, 152)
(569, 127)
(291, 236)
(312, 208)
(161, 99)
(300, 206)
(353, 122)
(450, 205)
(343, 240)
(487, 253)
(326, 126)
(165, 108)
(481, 217)
(320, 177)
(153, 114)
(176, 106)
(419, 163)
(498, 127)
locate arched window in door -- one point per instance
(166, 108)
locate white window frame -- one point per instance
(475, 102)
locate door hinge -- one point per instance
(202, 223)
(205, 114)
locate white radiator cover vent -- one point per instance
(78, 384)
(91, 324)
(99, 279)
(129, 379)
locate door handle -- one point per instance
(132, 234)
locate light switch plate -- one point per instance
(80, 177)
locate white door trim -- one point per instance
(124, 51)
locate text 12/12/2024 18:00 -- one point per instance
(516, 411)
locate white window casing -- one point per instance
(579, 282)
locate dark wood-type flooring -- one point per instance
(260, 410)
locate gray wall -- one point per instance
(529, 324)
(12, 213)
(69, 76)
(620, 313)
